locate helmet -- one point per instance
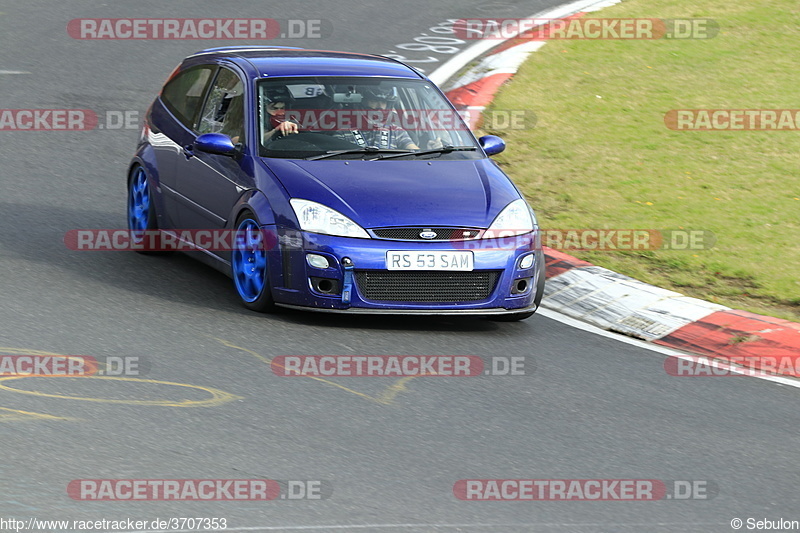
(378, 93)
(278, 94)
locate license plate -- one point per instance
(410, 260)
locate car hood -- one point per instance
(401, 193)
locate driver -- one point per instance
(277, 100)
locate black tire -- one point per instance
(540, 278)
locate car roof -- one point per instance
(275, 61)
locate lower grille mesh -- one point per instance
(424, 286)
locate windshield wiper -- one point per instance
(365, 150)
(442, 150)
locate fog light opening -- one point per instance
(325, 286)
(520, 286)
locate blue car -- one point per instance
(347, 183)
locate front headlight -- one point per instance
(318, 218)
(515, 219)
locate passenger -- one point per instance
(382, 135)
(378, 134)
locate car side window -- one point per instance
(183, 94)
(223, 111)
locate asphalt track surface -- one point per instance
(589, 408)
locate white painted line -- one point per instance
(671, 352)
(451, 67)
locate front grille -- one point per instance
(412, 233)
(425, 286)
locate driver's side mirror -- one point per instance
(216, 143)
(492, 144)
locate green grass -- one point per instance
(600, 155)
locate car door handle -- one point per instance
(188, 151)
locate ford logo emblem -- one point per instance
(427, 234)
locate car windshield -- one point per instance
(360, 118)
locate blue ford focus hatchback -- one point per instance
(348, 182)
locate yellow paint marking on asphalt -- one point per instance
(392, 391)
(251, 352)
(218, 397)
(15, 415)
(323, 380)
(385, 398)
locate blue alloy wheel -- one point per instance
(141, 211)
(249, 266)
(139, 208)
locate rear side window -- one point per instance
(183, 94)
(224, 109)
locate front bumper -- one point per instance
(415, 312)
(296, 284)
